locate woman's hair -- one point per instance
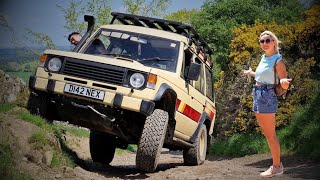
(274, 37)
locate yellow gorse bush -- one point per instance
(298, 43)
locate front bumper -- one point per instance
(118, 100)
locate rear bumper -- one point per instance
(118, 100)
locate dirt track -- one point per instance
(123, 165)
(171, 167)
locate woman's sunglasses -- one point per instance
(261, 41)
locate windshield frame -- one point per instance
(143, 36)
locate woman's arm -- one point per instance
(282, 73)
(249, 71)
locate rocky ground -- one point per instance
(10, 87)
(37, 161)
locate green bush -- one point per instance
(239, 145)
(303, 134)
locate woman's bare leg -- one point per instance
(267, 124)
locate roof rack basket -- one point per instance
(166, 25)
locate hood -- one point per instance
(116, 61)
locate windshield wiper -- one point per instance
(117, 55)
(155, 59)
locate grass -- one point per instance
(79, 132)
(8, 169)
(240, 145)
(36, 120)
(39, 140)
(5, 158)
(23, 75)
(62, 159)
(131, 148)
(6, 107)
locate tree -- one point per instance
(146, 7)
(101, 9)
(23, 50)
(182, 15)
(74, 12)
(4, 23)
(40, 39)
(218, 17)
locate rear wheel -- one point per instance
(102, 147)
(151, 140)
(197, 155)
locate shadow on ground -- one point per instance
(111, 171)
(124, 172)
(295, 167)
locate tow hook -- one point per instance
(94, 110)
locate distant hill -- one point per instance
(23, 54)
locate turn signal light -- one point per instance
(43, 58)
(152, 81)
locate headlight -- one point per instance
(54, 64)
(137, 80)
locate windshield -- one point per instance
(149, 50)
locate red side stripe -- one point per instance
(211, 115)
(191, 113)
(178, 103)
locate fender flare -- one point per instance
(164, 88)
(203, 117)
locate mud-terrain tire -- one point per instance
(197, 155)
(102, 147)
(151, 140)
(40, 105)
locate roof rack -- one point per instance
(166, 25)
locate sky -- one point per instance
(44, 16)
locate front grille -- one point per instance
(94, 71)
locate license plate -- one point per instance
(84, 91)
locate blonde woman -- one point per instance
(265, 102)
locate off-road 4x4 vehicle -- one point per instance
(143, 81)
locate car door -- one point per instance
(190, 105)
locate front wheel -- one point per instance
(40, 105)
(102, 147)
(151, 140)
(197, 155)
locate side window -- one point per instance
(199, 85)
(209, 84)
(186, 63)
(104, 40)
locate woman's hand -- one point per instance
(249, 71)
(285, 83)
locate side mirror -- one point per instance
(194, 71)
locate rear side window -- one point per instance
(199, 85)
(209, 84)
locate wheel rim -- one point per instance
(202, 145)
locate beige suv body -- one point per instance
(138, 84)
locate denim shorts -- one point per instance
(264, 99)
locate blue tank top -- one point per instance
(265, 70)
